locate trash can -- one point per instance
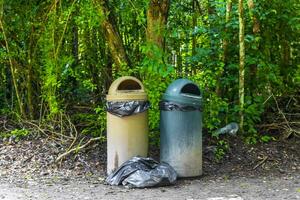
(181, 128)
(127, 121)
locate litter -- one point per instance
(231, 128)
(142, 172)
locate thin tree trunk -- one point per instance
(194, 24)
(225, 47)
(211, 11)
(255, 30)
(30, 91)
(113, 37)
(256, 24)
(29, 81)
(13, 72)
(285, 58)
(194, 39)
(225, 41)
(242, 63)
(75, 43)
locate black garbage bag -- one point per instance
(127, 108)
(142, 172)
(172, 106)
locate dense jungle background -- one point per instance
(59, 57)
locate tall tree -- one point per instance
(114, 40)
(255, 30)
(225, 45)
(255, 21)
(157, 15)
(241, 62)
(12, 69)
(225, 41)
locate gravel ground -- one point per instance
(265, 171)
(209, 188)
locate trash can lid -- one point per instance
(126, 88)
(183, 91)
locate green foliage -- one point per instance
(63, 61)
(215, 110)
(266, 138)
(154, 61)
(255, 138)
(155, 85)
(2, 90)
(93, 124)
(154, 138)
(157, 76)
(101, 112)
(17, 134)
(252, 138)
(253, 109)
(222, 148)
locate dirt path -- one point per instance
(234, 188)
(266, 171)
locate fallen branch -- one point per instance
(76, 133)
(289, 130)
(38, 127)
(277, 124)
(77, 148)
(45, 131)
(261, 162)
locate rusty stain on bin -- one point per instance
(116, 161)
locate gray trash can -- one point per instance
(181, 128)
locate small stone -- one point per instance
(230, 197)
(66, 179)
(44, 173)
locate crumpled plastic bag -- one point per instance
(142, 172)
(231, 129)
(127, 108)
(172, 106)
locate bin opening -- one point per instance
(190, 89)
(129, 85)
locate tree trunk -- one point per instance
(194, 38)
(285, 59)
(255, 30)
(13, 72)
(157, 15)
(225, 47)
(30, 91)
(31, 97)
(75, 44)
(256, 24)
(225, 41)
(113, 37)
(242, 63)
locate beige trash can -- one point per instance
(127, 136)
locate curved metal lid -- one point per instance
(126, 88)
(183, 91)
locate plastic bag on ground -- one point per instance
(142, 172)
(172, 106)
(127, 108)
(231, 129)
